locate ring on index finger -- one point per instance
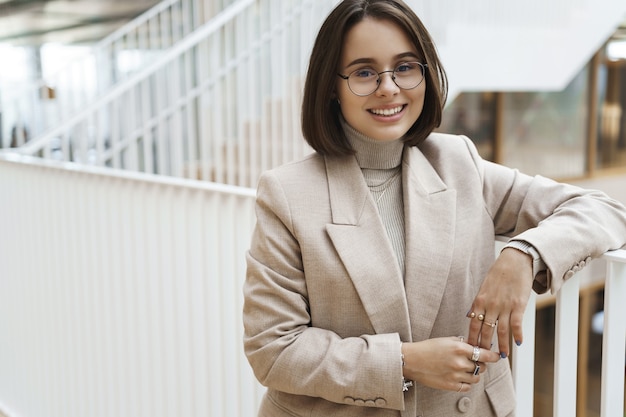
(475, 354)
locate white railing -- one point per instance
(120, 294)
(611, 269)
(223, 105)
(45, 103)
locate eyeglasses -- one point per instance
(365, 81)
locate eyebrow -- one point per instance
(372, 60)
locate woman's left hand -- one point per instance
(501, 302)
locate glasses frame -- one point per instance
(393, 78)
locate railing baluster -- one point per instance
(614, 340)
(566, 348)
(524, 375)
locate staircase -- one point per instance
(43, 104)
(220, 105)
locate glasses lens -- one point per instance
(363, 82)
(408, 75)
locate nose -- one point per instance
(386, 85)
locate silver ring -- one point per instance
(475, 354)
(476, 368)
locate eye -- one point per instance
(364, 73)
(406, 67)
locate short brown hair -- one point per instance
(320, 110)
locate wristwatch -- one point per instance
(523, 246)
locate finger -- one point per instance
(504, 336)
(464, 387)
(478, 354)
(517, 318)
(467, 379)
(483, 368)
(474, 327)
(487, 331)
(477, 368)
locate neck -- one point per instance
(372, 153)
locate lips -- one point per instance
(387, 112)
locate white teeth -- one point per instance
(387, 112)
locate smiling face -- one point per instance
(389, 112)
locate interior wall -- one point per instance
(614, 186)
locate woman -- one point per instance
(371, 256)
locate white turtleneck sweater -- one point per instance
(381, 164)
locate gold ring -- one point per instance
(492, 325)
(481, 317)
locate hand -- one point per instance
(502, 300)
(444, 363)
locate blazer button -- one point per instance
(348, 400)
(370, 403)
(569, 274)
(464, 404)
(359, 402)
(381, 402)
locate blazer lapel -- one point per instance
(361, 242)
(430, 216)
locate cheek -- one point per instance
(342, 92)
(348, 102)
(419, 99)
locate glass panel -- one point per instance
(611, 115)
(473, 115)
(545, 132)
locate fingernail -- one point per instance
(518, 342)
(503, 355)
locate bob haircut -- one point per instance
(321, 127)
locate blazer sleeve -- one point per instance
(568, 225)
(285, 352)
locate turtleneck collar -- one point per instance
(372, 153)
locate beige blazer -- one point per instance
(326, 306)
